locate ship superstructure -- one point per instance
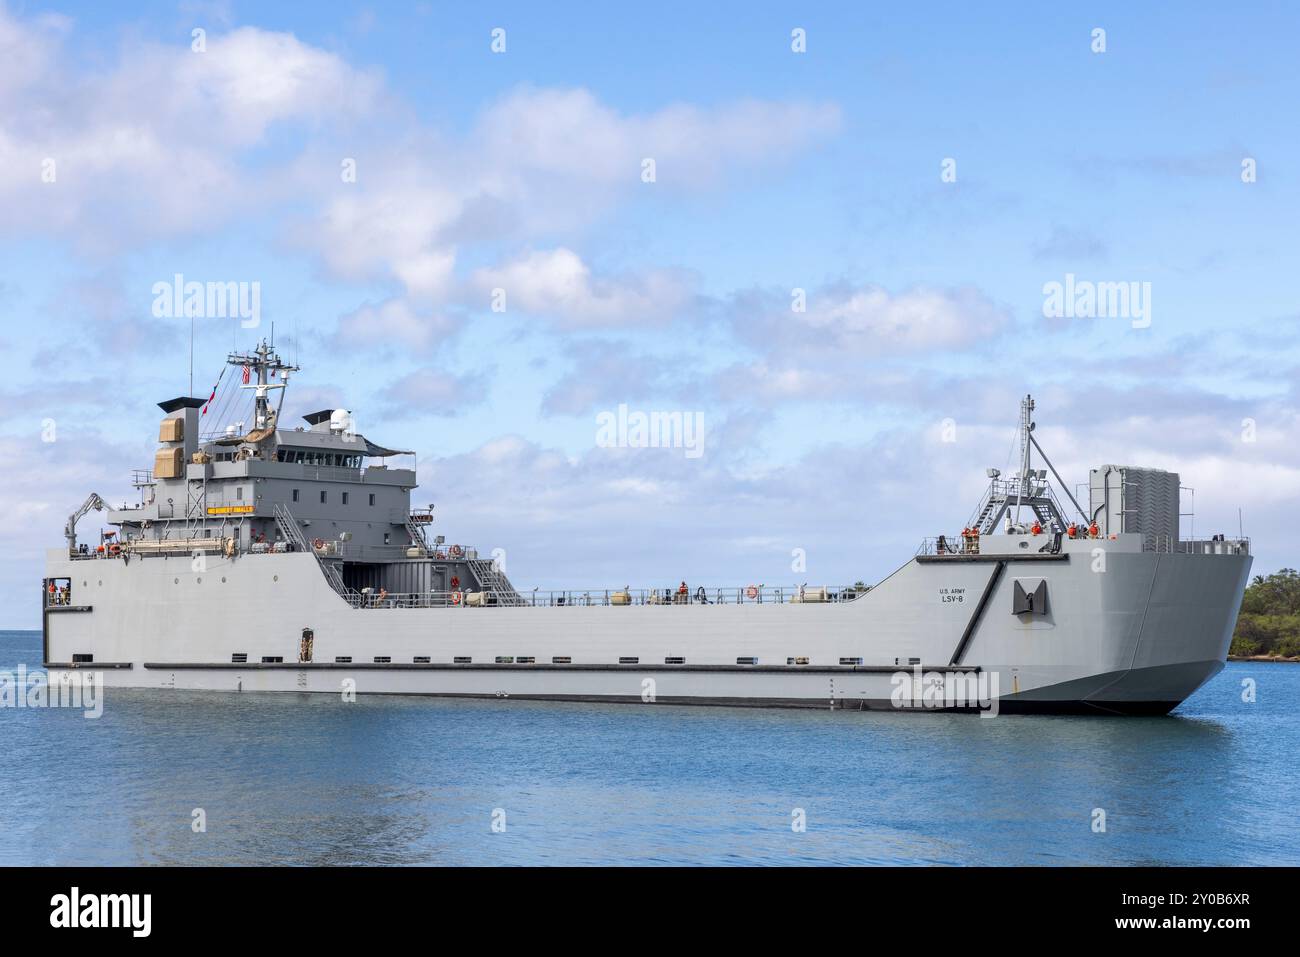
(263, 557)
(320, 489)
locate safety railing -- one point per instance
(590, 598)
(949, 545)
(59, 597)
(357, 551)
(1219, 545)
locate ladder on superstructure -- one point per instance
(290, 531)
(417, 536)
(494, 581)
(1035, 495)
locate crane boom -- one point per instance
(70, 530)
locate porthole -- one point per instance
(275, 578)
(198, 581)
(223, 579)
(101, 583)
(176, 581)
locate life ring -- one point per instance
(457, 551)
(455, 583)
(318, 543)
(751, 591)
(455, 598)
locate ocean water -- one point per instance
(308, 779)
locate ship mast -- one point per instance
(261, 367)
(1026, 426)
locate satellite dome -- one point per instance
(340, 420)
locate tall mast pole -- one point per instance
(1026, 424)
(263, 363)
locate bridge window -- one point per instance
(272, 659)
(628, 661)
(505, 660)
(238, 657)
(345, 498)
(525, 660)
(796, 661)
(323, 495)
(343, 660)
(675, 661)
(561, 660)
(462, 661)
(295, 495)
(850, 661)
(82, 659)
(746, 661)
(421, 659)
(382, 659)
(372, 498)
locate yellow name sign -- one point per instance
(229, 509)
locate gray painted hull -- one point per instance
(1137, 637)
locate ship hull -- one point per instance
(1135, 636)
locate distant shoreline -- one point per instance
(1277, 658)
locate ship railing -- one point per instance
(949, 545)
(356, 551)
(613, 597)
(1218, 545)
(61, 596)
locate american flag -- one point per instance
(247, 371)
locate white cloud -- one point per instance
(152, 145)
(393, 325)
(539, 163)
(161, 142)
(569, 134)
(558, 284)
(869, 320)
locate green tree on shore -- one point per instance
(1269, 623)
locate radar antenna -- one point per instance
(261, 367)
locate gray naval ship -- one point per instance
(267, 557)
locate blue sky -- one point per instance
(775, 171)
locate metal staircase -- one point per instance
(1034, 494)
(417, 536)
(494, 582)
(290, 532)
